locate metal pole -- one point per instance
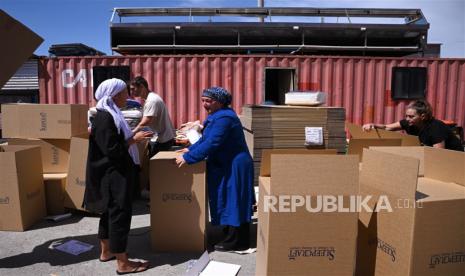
(260, 4)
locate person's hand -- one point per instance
(141, 135)
(183, 150)
(368, 127)
(180, 160)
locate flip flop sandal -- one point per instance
(135, 270)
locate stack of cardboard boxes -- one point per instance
(54, 131)
(410, 211)
(284, 127)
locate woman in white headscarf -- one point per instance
(112, 168)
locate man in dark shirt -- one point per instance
(419, 121)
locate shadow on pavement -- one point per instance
(44, 253)
(75, 218)
(138, 248)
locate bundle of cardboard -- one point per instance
(275, 127)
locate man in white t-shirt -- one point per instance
(155, 116)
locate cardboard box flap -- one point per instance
(415, 152)
(356, 145)
(308, 174)
(407, 140)
(15, 148)
(165, 155)
(55, 152)
(445, 165)
(435, 190)
(390, 173)
(357, 132)
(18, 45)
(265, 165)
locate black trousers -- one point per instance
(114, 225)
(156, 147)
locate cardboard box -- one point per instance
(265, 165)
(55, 152)
(356, 131)
(407, 140)
(301, 242)
(425, 232)
(356, 145)
(22, 196)
(55, 193)
(248, 133)
(178, 211)
(45, 121)
(76, 182)
(415, 152)
(18, 44)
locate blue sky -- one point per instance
(87, 21)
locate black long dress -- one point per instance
(111, 172)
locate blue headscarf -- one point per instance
(218, 94)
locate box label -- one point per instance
(384, 247)
(309, 252)
(5, 200)
(176, 196)
(79, 182)
(447, 258)
(55, 156)
(314, 136)
(43, 121)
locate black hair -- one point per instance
(139, 80)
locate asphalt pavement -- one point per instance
(32, 252)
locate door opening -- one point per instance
(278, 81)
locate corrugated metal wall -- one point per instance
(26, 78)
(361, 85)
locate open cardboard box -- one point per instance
(356, 145)
(55, 152)
(55, 184)
(415, 152)
(424, 234)
(357, 132)
(178, 205)
(302, 242)
(22, 195)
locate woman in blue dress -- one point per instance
(229, 169)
